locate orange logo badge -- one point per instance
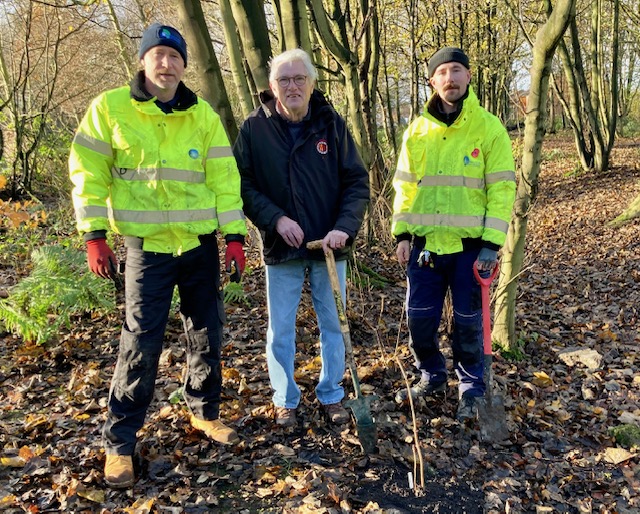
(322, 146)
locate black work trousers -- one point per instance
(150, 279)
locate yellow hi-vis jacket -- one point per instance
(165, 178)
(455, 182)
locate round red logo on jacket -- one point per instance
(322, 146)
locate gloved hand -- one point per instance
(234, 253)
(487, 259)
(101, 259)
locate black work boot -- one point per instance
(422, 388)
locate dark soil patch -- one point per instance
(388, 486)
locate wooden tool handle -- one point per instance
(342, 316)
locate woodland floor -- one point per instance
(580, 290)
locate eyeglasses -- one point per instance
(298, 80)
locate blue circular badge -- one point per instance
(193, 153)
(466, 160)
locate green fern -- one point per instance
(59, 287)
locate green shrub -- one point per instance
(59, 287)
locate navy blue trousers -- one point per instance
(150, 279)
(427, 288)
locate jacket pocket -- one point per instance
(128, 146)
(416, 149)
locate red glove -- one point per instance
(235, 253)
(102, 261)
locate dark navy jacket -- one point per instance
(319, 180)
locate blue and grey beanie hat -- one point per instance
(157, 34)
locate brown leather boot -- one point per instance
(118, 471)
(285, 417)
(336, 413)
(216, 430)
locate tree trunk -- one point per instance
(594, 102)
(573, 107)
(333, 31)
(293, 24)
(252, 28)
(234, 46)
(210, 84)
(547, 39)
(122, 47)
(414, 102)
(626, 88)
(631, 212)
(388, 112)
(612, 114)
(369, 69)
(354, 116)
(551, 123)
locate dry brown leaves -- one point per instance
(578, 319)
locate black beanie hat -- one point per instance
(164, 35)
(447, 54)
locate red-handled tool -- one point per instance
(491, 413)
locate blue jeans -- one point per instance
(149, 282)
(284, 289)
(426, 291)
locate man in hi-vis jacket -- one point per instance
(455, 188)
(151, 162)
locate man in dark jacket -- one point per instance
(302, 180)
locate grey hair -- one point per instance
(297, 54)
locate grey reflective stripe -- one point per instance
(93, 144)
(229, 216)
(164, 216)
(496, 224)
(91, 211)
(193, 177)
(456, 181)
(405, 176)
(500, 176)
(219, 151)
(445, 220)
